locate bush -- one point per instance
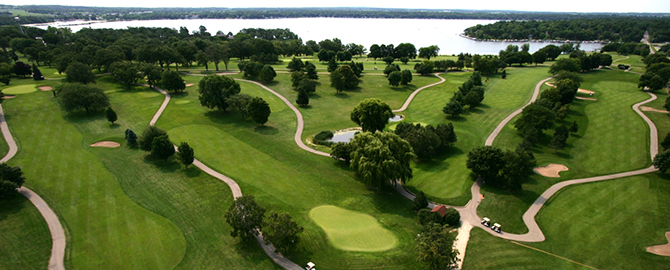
(452, 217)
(322, 137)
(420, 201)
(427, 217)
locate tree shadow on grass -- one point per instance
(270, 84)
(388, 200)
(266, 130)
(114, 126)
(192, 171)
(457, 119)
(169, 166)
(220, 117)
(80, 117)
(342, 95)
(12, 204)
(179, 95)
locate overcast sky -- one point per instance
(525, 5)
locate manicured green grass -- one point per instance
(267, 164)
(612, 138)
(634, 61)
(105, 228)
(352, 231)
(606, 225)
(446, 178)
(25, 238)
(21, 89)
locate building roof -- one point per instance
(440, 209)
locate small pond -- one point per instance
(344, 136)
(396, 118)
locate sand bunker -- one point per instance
(109, 144)
(190, 84)
(8, 96)
(583, 91)
(586, 98)
(650, 109)
(663, 250)
(551, 170)
(45, 88)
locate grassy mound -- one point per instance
(21, 89)
(352, 231)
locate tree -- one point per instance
(307, 86)
(171, 81)
(259, 110)
(11, 179)
(161, 147)
(388, 60)
(267, 73)
(75, 96)
(21, 69)
(574, 127)
(504, 74)
(148, 135)
(424, 68)
(303, 99)
(245, 216)
(151, 72)
(452, 217)
(666, 141)
(427, 217)
(310, 69)
(371, 114)
(37, 74)
(394, 78)
(381, 158)
(558, 141)
(428, 52)
(240, 102)
(453, 108)
(539, 57)
(420, 201)
(423, 139)
(651, 81)
(281, 231)
(435, 245)
(124, 73)
(405, 77)
(332, 65)
(567, 64)
(662, 161)
(131, 138)
(343, 78)
(185, 154)
(111, 115)
(536, 117)
(391, 68)
(215, 90)
(473, 99)
(486, 161)
(341, 151)
(296, 64)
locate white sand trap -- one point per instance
(586, 98)
(650, 109)
(551, 170)
(584, 91)
(190, 84)
(8, 97)
(663, 250)
(45, 88)
(109, 144)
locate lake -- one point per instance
(420, 32)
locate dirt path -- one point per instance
(620, 59)
(235, 189)
(55, 228)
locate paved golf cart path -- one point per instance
(411, 96)
(55, 227)
(234, 187)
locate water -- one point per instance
(344, 136)
(396, 118)
(420, 32)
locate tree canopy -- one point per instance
(77, 96)
(215, 90)
(11, 179)
(371, 114)
(259, 110)
(245, 216)
(381, 158)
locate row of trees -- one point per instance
(657, 73)
(470, 93)
(508, 169)
(221, 92)
(427, 140)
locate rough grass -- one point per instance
(352, 231)
(612, 138)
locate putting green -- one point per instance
(21, 89)
(352, 231)
(394, 125)
(182, 102)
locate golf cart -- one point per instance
(310, 266)
(486, 222)
(496, 228)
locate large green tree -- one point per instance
(147, 137)
(344, 78)
(171, 81)
(662, 161)
(371, 114)
(77, 72)
(566, 64)
(486, 161)
(245, 216)
(125, 73)
(381, 158)
(214, 90)
(535, 116)
(111, 115)
(435, 247)
(185, 154)
(162, 148)
(280, 230)
(259, 110)
(76, 96)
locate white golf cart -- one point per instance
(496, 228)
(486, 222)
(310, 266)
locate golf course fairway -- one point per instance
(352, 231)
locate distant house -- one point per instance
(440, 209)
